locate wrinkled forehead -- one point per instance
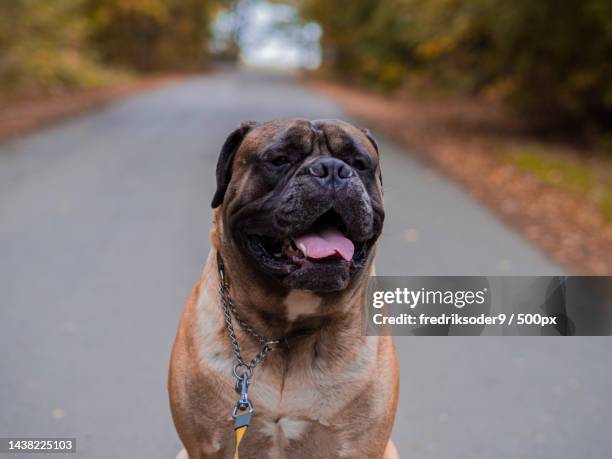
(333, 137)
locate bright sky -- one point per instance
(271, 35)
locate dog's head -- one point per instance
(299, 202)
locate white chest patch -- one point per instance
(301, 303)
(290, 429)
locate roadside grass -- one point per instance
(42, 75)
(590, 179)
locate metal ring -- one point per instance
(273, 344)
(248, 370)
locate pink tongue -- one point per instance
(325, 243)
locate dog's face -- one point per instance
(301, 201)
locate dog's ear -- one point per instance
(372, 140)
(226, 159)
(370, 137)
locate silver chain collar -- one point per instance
(243, 367)
(243, 370)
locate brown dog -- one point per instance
(298, 211)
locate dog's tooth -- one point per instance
(302, 247)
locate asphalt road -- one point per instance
(103, 230)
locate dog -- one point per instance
(298, 211)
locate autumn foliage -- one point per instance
(58, 45)
(550, 59)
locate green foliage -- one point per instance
(551, 59)
(57, 45)
(41, 48)
(592, 182)
(150, 34)
(365, 41)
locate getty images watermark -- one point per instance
(494, 306)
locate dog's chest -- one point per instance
(311, 416)
(288, 435)
(305, 411)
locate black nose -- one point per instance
(331, 171)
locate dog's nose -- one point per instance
(331, 171)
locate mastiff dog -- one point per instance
(270, 359)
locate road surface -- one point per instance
(103, 230)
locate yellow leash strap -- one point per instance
(241, 424)
(242, 413)
(240, 431)
(243, 371)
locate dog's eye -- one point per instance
(280, 160)
(360, 164)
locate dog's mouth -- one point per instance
(325, 243)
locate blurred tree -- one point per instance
(552, 59)
(62, 44)
(42, 47)
(366, 41)
(150, 34)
